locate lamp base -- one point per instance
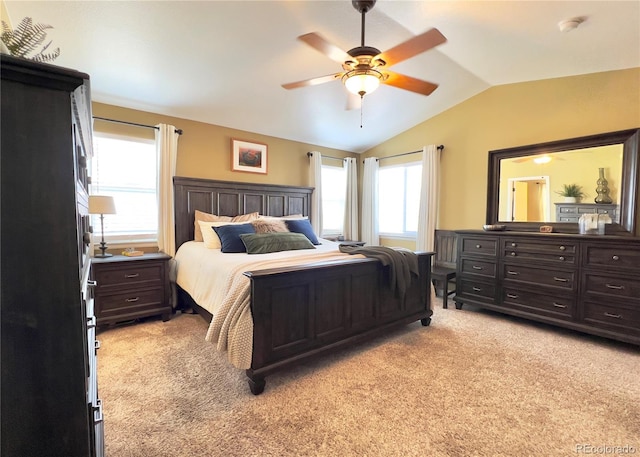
(102, 256)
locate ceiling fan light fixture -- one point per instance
(542, 159)
(361, 82)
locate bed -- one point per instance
(297, 311)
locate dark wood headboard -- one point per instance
(228, 198)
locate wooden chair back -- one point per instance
(446, 247)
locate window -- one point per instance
(334, 191)
(399, 199)
(125, 168)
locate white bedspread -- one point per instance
(215, 281)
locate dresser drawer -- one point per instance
(122, 275)
(549, 251)
(479, 246)
(478, 267)
(475, 289)
(539, 303)
(539, 276)
(612, 285)
(619, 255)
(617, 318)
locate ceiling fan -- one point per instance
(365, 67)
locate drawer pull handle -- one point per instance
(131, 300)
(478, 246)
(512, 296)
(135, 275)
(613, 286)
(513, 245)
(513, 254)
(562, 248)
(514, 273)
(615, 316)
(92, 283)
(477, 289)
(615, 257)
(558, 305)
(98, 409)
(475, 267)
(561, 258)
(560, 279)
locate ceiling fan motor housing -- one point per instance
(363, 6)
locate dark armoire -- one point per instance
(49, 390)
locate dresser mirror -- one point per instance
(542, 170)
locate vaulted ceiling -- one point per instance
(223, 62)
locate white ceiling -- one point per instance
(222, 62)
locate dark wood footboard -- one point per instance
(301, 313)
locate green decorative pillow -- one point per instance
(263, 243)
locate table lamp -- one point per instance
(102, 204)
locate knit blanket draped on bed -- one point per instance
(231, 328)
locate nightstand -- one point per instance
(131, 287)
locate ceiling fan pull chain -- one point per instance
(361, 104)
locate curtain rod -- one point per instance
(441, 147)
(309, 154)
(178, 131)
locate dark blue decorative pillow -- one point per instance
(302, 226)
(229, 235)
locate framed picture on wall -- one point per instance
(248, 156)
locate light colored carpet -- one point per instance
(472, 384)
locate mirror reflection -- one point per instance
(561, 186)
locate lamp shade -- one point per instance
(362, 82)
(101, 204)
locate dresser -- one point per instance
(49, 396)
(585, 283)
(571, 212)
(131, 287)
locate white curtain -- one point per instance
(350, 230)
(370, 234)
(315, 181)
(429, 193)
(167, 152)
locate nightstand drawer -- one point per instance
(131, 299)
(118, 276)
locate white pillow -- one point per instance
(209, 236)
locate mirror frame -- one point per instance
(630, 139)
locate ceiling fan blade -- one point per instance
(320, 44)
(411, 47)
(408, 83)
(313, 81)
(353, 101)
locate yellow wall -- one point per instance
(515, 115)
(204, 150)
(4, 14)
